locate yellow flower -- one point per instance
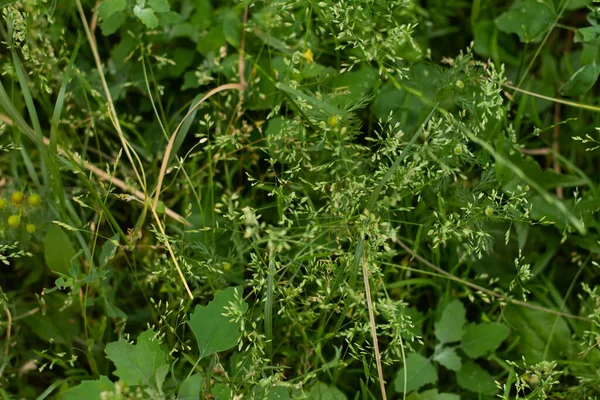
(30, 228)
(227, 267)
(308, 56)
(2, 203)
(333, 121)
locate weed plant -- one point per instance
(284, 199)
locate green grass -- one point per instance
(299, 200)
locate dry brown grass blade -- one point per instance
(373, 328)
(481, 289)
(167, 155)
(104, 176)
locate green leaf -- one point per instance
(450, 327)
(139, 364)
(111, 24)
(322, 391)
(588, 35)
(159, 6)
(89, 390)
(58, 250)
(449, 359)
(232, 28)
(147, 16)
(474, 378)
(582, 81)
(479, 339)
(190, 388)
(432, 394)
(534, 328)
(215, 332)
(109, 248)
(278, 393)
(529, 19)
(220, 391)
(110, 7)
(419, 372)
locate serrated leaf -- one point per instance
(419, 372)
(529, 19)
(89, 390)
(449, 359)
(215, 332)
(109, 7)
(159, 6)
(139, 364)
(533, 328)
(190, 388)
(147, 16)
(581, 81)
(432, 394)
(450, 326)
(109, 248)
(58, 250)
(474, 378)
(322, 391)
(480, 339)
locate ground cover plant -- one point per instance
(284, 199)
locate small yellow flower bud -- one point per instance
(2, 203)
(489, 211)
(308, 56)
(14, 221)
(34, 200)
(17, 198)
(30, 228)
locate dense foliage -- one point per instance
(310, 199)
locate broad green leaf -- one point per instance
(232, 27)
(450, 327)
(89, 390)
(220, 391)
(214, 331)
(139, 364)
(111, 24)
(533, 329)
(147, 16)
(58, 250)
(160, 6)
(109, 248)
(322, 391)
(212, 41)
(582, 81)
(449, 359)
(190, 388)
(278, 393)
(479, 339)
(474, 378)
(419, 372)
(432, 394)
(588, 35)
(529, 19)
(110, 7)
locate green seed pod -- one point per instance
(17, 198)
(14, 221)
(34, 200)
